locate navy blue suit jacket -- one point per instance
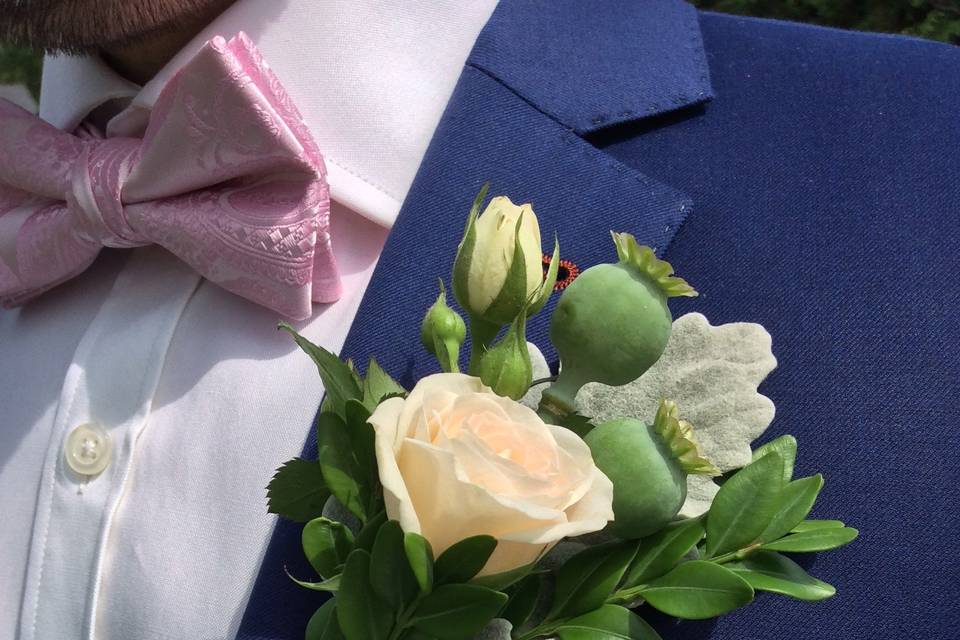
(804, 178)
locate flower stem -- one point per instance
(482, 333)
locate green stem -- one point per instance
(448, 355)
(558, 400)
(403, 620)
(543, 380)
(626, 596)
(482, 333)
(540, 631)
(739, 554)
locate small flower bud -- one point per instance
(442, 332)
(499, 262)
(506, 367)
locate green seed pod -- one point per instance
(612, 323)
(442, 332)
(648, 465)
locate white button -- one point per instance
(88, 449)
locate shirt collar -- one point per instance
(371, 78)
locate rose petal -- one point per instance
(449, 385)
(450, 508)
(387, 442)
(591, 514)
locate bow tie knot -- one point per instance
(226, 177)
(96, 182)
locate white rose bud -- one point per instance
(456, 460)
(486, 282)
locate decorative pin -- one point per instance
(567, 272)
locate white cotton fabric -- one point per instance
(201, 396)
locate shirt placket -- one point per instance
(104, 406)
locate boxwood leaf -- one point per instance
(464, 559)
(816, 540)
(390, 573)
(362, 438)
(297, 491)
(323, 623)
(745, 505)
(368, 534)
(502, 580)
(338, 381)
(769, 571)
(523, 599)
(795, 502)
(420, 556)
(341, 471)
(586, 580)
(326, 544)
(813, 525)
(331, 585)
(457, 611)
(662, 551)
(378, 385)
(609, 622)
(361, 613)
(698, 589)
(786, 446)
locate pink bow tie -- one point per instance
(226, 177)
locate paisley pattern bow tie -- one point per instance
(226, 177)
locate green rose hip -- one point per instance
(612, 323)
(648, 465)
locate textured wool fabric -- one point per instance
(824, 177)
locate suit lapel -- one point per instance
(516, 121)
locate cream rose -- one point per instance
(457, 460)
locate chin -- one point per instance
(82, 26)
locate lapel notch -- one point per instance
(595, 64)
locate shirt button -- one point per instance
(88, 449)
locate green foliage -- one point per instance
(326, 544)
(464, 560)
(360, 611)
(457, 611)
(768, 571)
(391, 575)
(662, 551)
(338, 376)
(745, 505)
(932, 19)
(586, 580)
(698, 589)
(609, 621)
(297, 491)
(20, 66)
(523, 600)
(387, 585)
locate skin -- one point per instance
(136, 37)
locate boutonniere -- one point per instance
(488, 504)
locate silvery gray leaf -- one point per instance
(496, 629)
(333, 509)
(712, 373)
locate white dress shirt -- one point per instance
(200, 396)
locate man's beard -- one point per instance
(84, 26)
